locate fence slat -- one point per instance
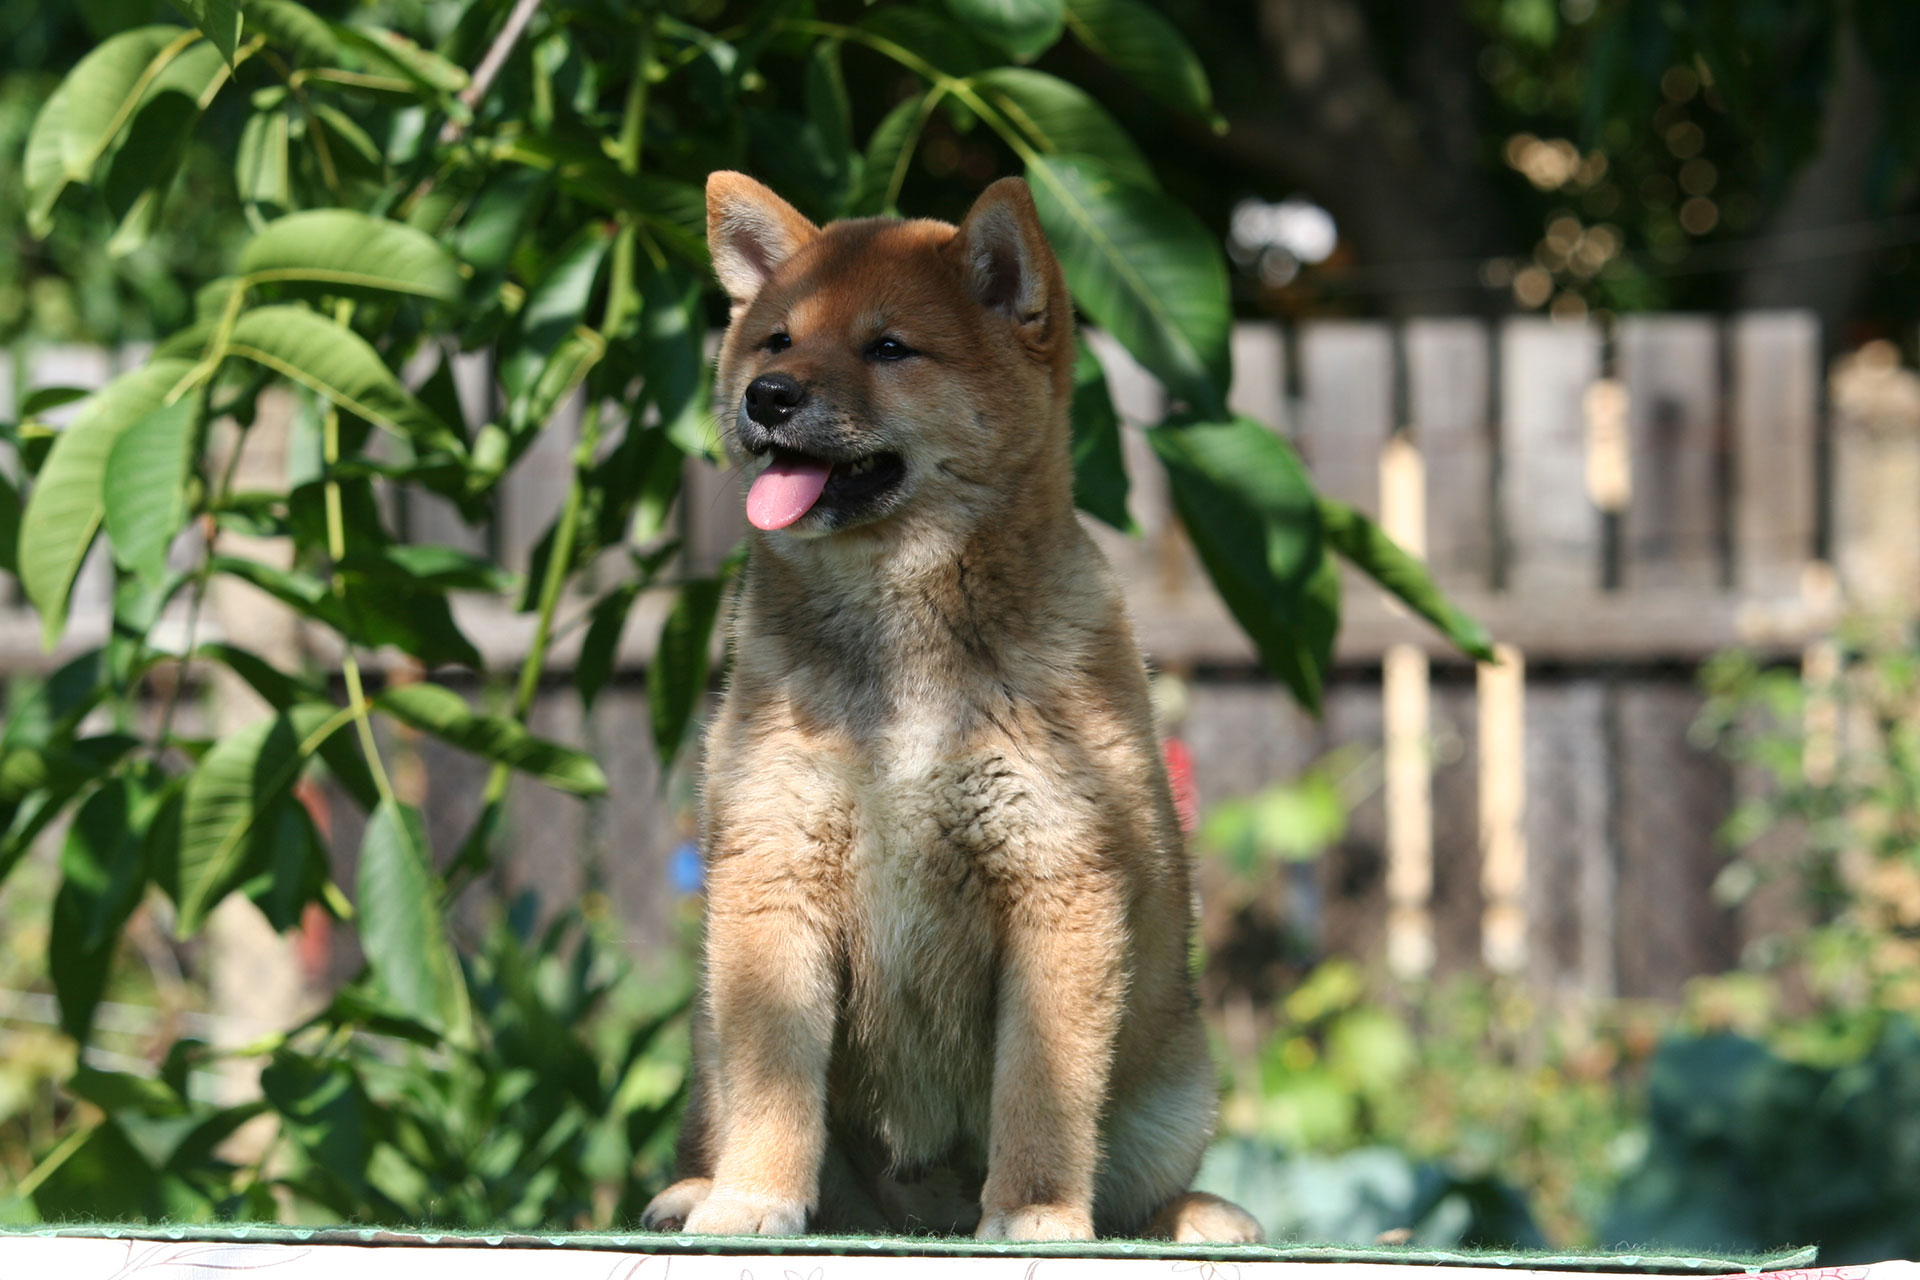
(1346, 378)
(1570, 881)
(534, 490)
(1776, 405)
(713, 513)
(1671, 796)
(1140, 402)
(1552, 529)
(1449, 412)
(1670, 366)
(431, 518)
(1260, 374)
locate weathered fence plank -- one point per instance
(1776, 395)
(1449, 412)
(1570, 854)
(1552, 543)
(1671, 799)
(1670, 366)
(1346, 382)
(1260, 375)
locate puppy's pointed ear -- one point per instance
(750, 232)
(1007, 260)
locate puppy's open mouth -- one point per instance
(794, 484)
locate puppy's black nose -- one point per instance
(772, 398)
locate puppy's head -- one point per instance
(881, 374)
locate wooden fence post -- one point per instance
(1407, 733)
(1503, 807)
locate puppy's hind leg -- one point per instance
(1195, 1216)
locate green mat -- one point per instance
(1656, 1261)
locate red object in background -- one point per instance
(1186, 798)
(313, 940)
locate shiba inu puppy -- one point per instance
(946, 982)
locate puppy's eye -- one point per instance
(778, 341)
(889, 348)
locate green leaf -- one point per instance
(294, 28)
(400, 925)
(103, 869)
(1145, 269)
(673, 357)
(260, 171)
(427, 565)
(231, 791)
(438, 710)
(344, 250)
(67, 504)
(144, 487)
(282, 691)
(556, 306)
(9, 526)
(392, 52)
(1024, 28)
(594, 666)
(677, 680)
(1062, 120)
(889, 152)
(105, 1178)
(334, 361)
(934, 37)
(1099, 464)
(87, 111)
(1368, 547)
(377, 611)
(830, 116)
(1142, 45)
(1252, 514)
(219, 20)
(141, 167)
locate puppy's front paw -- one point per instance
(1035, 1222)
(668, 1211)
(727, 1212)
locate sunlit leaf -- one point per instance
(1367, 546)
(1060, 119)
(1099, 463)
(438, 710)
(400, 926)
(334, 361)
(1140, 43)
(87, 111)
(1145, 269)
(231, 791)
(219, 20)
(67, 503)
(1245, 501)
(144, 487)
(346, 250)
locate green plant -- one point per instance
(545, 208)
(1835, 822)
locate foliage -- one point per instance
(1750, 1149)
(1478, 1083)
(398, 208)
(559, 1111)
(1836, 823)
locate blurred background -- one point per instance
(1607, 308)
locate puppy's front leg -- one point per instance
(1062, 990)
(772, 987)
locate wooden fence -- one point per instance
(1616, 504)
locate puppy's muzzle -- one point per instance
(771, 399)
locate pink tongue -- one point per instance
(785, 491)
